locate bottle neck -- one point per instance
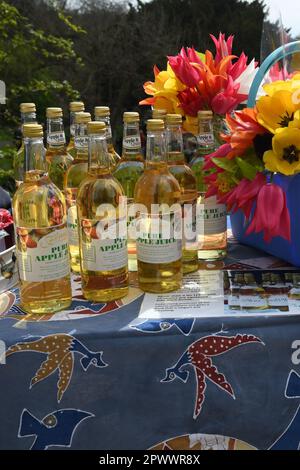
(28, 118)
(81, 141)
(132, 147)
(174, 144)
(206, 139)
(35, 166)
(156, 153)
(55, 133)
(72, 124)
(100, 160)
(108, 136)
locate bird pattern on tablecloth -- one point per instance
(184, 325)
(55, 429)
(199, 355)
(60, 350)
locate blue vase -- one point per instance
(279, 247)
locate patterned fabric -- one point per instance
(97, 377)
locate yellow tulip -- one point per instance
(285, 154)
(277, 110)
(295, 124)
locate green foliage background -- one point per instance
(52, 52)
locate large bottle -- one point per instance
(211, 216)
(102, 225)
(57, 157)
(158, 196)
(41, 233)
(74, 107)
(75, 174)
(128, 171)
(28, 116)
(102, 113)
(188, 186)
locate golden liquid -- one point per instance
(158, 186)
(127, 172)
(100, 187)
(114, 154)
(211, 246)
(187, 183)
(59, 160)
(18, 165)
(71, 147)
(75, 175)
(31, 210)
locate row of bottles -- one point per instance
(275, 291)
(90, 174)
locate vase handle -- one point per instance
(274, 57)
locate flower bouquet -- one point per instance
(195, 81)
(256, 172)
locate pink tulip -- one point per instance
(184, 70)
(271, 214)
(223, 46)
(190, 101)
(221, 152)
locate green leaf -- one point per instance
(248, 170)
(228, 165)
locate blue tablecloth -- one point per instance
(96, 377)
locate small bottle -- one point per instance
(75, 174)
(41, 233)
(294, 294)
(102, 226)
(57, 157)
(187, 183)
(128, 171)
(74, 107)
(211, 216)
(266, 284)
(159, 248)
(252, 296)
(159, 114)
(102, 113)
(236, 283)
(277, 296)
(28, 116)
(226, 283)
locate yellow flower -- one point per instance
(285, 154)
(278, 85)
(164, 90)
(277, 110)
(295, 124)
(191, 124)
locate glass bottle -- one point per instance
(41, 233)
(159, 114)
(187, 183)
(57, 157)
(102, 113)
(277, 296)
(75, 174)
(211, 216)
(128, 171)
(74, 107)
(28, 116)
(236, 282)
(102, 225)
(157, 197)
(252, 296)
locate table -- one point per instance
(97, 377)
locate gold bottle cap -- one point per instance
(205, 114)
(32, 130)
(131, 116)
(159, 113)
(27, 108)
(82, 118)
(54, 113)
(96, 127)
(173, 119)
(155, 125)
(102, 111)
(76, 106)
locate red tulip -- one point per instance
(271, 214)
(190, 101)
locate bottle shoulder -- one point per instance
(157, 188)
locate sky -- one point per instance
(290, 11)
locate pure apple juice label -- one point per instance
(42, 253)
(132, 142)
(211, 217)
(103, 245)
(56, 138)
(159, 238)
(72, 224)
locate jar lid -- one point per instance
(27, 108)
(131, 116)
(76, 106)
(155, 125)
(82, 118)
(102, 111)
(54, 112)
(173, 119)
(32, 130)
(96, 127)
